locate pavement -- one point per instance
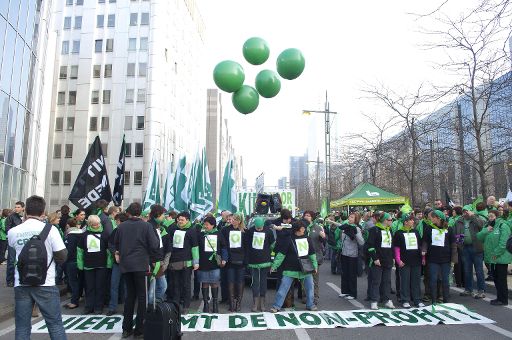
(329, 289)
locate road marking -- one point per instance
(116, 336)
(488, 298)
(7, 330)
(499, 330)
(301, 334)
(338, 291)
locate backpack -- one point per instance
(33, 259)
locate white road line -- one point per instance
(338, 291)
(7, 330)
(301, 334)
(487, 299)
(497, 329)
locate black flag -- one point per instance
(448, 199)
(92, 181)
(117, 196)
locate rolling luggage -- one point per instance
(163, 320)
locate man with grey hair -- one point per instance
(491, 203)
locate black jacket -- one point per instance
(236, 255)
(255, 255)
(375, 250)
(291, 260)
(206, 260)
(12, 221)
(106, 223)
(136, 241)
(72, 240)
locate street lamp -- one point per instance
(327, 114)
(317, 177)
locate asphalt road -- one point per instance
(329, 300)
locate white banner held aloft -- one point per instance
(448, 314)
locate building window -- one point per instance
(93, 124)
(137, 178)
(65, 47)
(57, 150)
(95, 97)
(110, 45)
(67, 23)
(101, 1)
(76, 47)
(127, 178)
(141, 95)
(68, 151)
(104, 123)
(143, 44)
(140, 123)
(108, 71)
(79, 2)
(139, 149)
(112, 1)
(111, 21)
(71, 124)
(73, 74)
(128, 149)
(134, 19)
(61, 98)
(55, 177)
(104, 148)
(69, 2)
(106, 96)
(132, 44)
(128, 122)
(129, 96)
(100, 19)
(144, 18)
(78, 22)
(96, 71)
(143, 69)
(59, 122)
(98, 46)
(63, 73)
(67, 178)
(72, 98)
(130, 70)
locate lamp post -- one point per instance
(327, 119)
(317, 189)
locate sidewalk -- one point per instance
(7, 296)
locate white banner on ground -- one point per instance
(448, 314)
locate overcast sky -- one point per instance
(345, 43)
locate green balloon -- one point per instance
(256, 51)
(246, 99)
(228, 76)
(268, 83)
(290, 63)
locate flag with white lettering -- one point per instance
(117, 196)
(92, 181)
(448, 199)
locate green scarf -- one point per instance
(431, 224)
(186, 226)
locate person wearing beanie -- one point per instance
(466, 229)
(260, 242)
(495, 236)
(380, 253)
(441, 250)
(296, 249)
(407, 251)
(235, 235)
(213, 255)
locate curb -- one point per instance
(7, 311)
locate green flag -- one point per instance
(324, 211)
(228, 198)
(152, 189)
(168, 194)
(178, 192)
(201, 200)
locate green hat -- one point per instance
(385, 216)
(145, 213)
(468, 207)
(440, 214)
(406, 217)
(259, 222)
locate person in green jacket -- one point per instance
(495, 236)
(93, 257)
(3, 234)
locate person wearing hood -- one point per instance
(260, 242)
(93, 257)
(495, 236)
(213, 255)
(350, 238)
(407, 251)
(441, 250)
(380, 253)
(293, 254)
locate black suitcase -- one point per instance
(276, 203)
(163, 321)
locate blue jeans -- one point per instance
(437, 269)
(161, 287)
(72, 274)
(470, 259)
(48, 301)
(259, 281)
(11, 261)
(236, 274)
(284, 287)
(117, 288)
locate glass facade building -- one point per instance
(21, 32)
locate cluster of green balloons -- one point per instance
(229, 75)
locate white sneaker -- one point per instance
(350, 297)
(406, 305)
(374, 306)
(389, 304)
(421, 305)
(342, 295)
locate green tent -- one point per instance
(367, 194)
